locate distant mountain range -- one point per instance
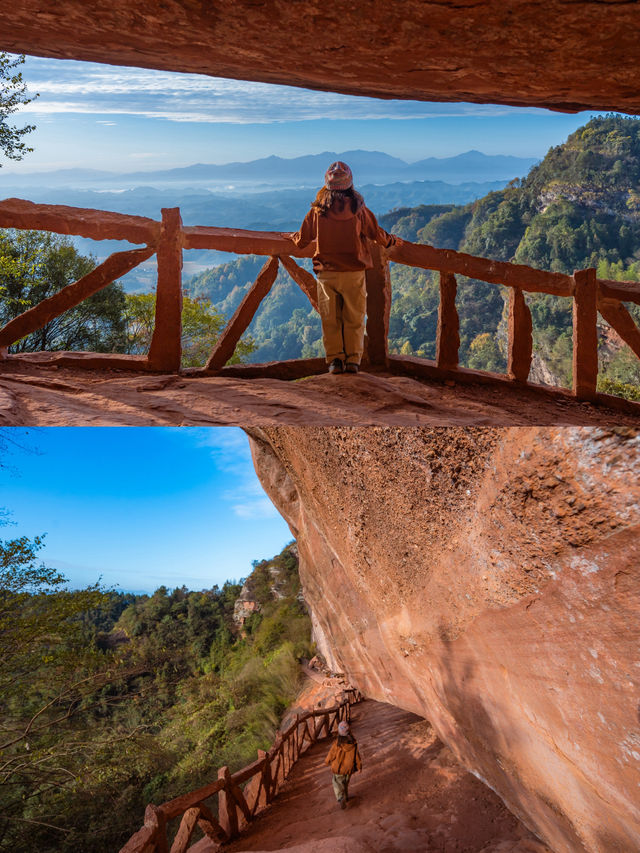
(273, 209)
(369, 167)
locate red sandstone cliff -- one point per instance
(487, 580)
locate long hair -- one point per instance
(327, 198)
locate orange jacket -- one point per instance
(341, 238)
(344, 758)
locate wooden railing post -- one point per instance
(297, 737)
(520, 344)
(585, 334)
(185, 830)
(227, 815)
(447, 335)
(210, 826)
(266, 778)
(154, 818)
(621, 321)
(305, 281)
(378, 307)
(165, 351)
(244, 313)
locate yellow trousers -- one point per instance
(342, 301)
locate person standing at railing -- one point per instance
(340, 225)
(344, 760)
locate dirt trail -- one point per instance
(411, 796)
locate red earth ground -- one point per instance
(411, 797)
(46, 395)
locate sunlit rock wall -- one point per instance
(489, 581)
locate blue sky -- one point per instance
(140, 507)
(129, 119)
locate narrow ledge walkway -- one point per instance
(38, 395)
(411, 797)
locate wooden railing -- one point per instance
(169, 237)
(237, 807)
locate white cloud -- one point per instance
(82, 87)
(231, 454)
(254, 509)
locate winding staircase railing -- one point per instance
(237, 807)
(169, 237)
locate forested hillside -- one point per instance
(579, 207)
(109, 701)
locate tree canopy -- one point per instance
(201, 327)
(111, 700)
(33, 266)
(13, 94)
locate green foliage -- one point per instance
(285, 326)
(484, 353)
(407, 222)
(12, 96)
(580, 207)
(619, 389)
(110, 700)
(35, 265)
(201, 327)
(446, 231)
(51, 684)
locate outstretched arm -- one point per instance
(376, 233)
(306, 233)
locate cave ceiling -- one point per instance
(562, 54)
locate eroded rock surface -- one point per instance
(33, 394)
(563, 55)
(487, 580)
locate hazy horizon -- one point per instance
(26, 171)
(113, 118)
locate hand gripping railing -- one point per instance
(237, 807)
(169, 237)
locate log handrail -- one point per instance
(237, 807)
(169, 237)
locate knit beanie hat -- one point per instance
(338, 176)
(343, 728)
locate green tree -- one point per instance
(13, 94)
(48, 676)
(201, 327)
(33, 266)
(484, 353)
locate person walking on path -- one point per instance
(344, 759)
(340, 224)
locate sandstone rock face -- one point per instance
(487, 580)
(563, 55)
(248, 603)
(244, 608)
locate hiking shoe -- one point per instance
(336, 366)
(343, 803)
(351, 367)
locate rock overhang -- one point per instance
(565, 56)
(487, 580)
